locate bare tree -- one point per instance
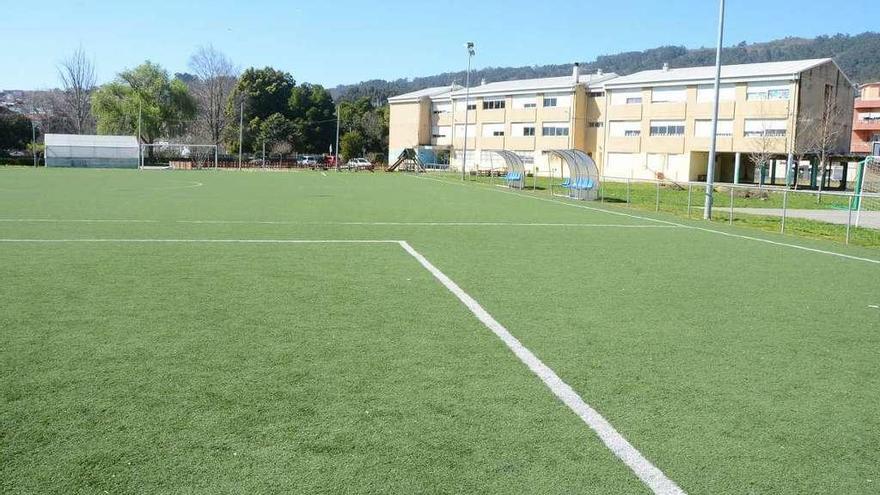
(216, 79)
(822, 136)
(764, 145)
(77, 74)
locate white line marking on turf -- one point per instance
(649, 219)
(215, 241)
(430, 224)
(85, 220)
(642, 467)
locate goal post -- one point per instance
(178, 156)
(867, 187)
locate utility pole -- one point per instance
(710, 170)
(240, 130)
(467, 105)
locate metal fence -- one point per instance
(835, 215)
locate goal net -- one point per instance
(166, 156)
(868, 187)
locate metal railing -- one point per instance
(830, 210)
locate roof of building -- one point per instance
(422, 93)
(743, 72)
(517, 86)
(92, 140)
(525, 86)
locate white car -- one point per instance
(359, 164)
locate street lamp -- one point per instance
(467, 103)
(710, 169)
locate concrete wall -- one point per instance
(409, 126)
(812, 106)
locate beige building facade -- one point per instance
(652, 124)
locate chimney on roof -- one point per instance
(665, 67)
(599, 72)
(576, 72)
(483, 81)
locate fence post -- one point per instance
(690, 192)
(730, 218)
(602, 192)
(551, 181)
(627, 192)
(848, 219)
(784, 207)
(657, 204)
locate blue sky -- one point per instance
(345, 41)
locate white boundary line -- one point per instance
(212, 241)
(649, 474)
(676, 224)
(642, 467)
(376, 224)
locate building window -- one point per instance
(669, 95)
(596, 94)
(554, 130)
(765, 128)
(667, 128)
(625, 128)
(493, 104)
(703, 128)
(530, 105)
(626, 97)
(764, 91)
(634, 100)
(595, 125)
(550, 102)
(528, 131)
(498, 133)
(472, 106)
(869, 116)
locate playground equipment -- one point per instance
(516, 169)
(583, 180)
(408, 161)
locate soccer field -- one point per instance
(226, 332)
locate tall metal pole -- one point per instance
(240, 131)
(336, 156)
(710, 170)
(140, 145)
(467, 105)
(34, 141)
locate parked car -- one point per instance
(308, 161)
(359, 164)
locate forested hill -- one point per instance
(858, 55)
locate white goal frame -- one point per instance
(211, 154)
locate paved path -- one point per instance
(869, 219)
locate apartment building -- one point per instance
(866, 119)
(651, 124)
(527, 116)
(659, 122)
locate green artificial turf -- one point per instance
(735, 366)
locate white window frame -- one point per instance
(555, 129)
(669, 94)
(625, 128)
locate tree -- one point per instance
(77, 74)
(274, 131)
(165, 105)
(15, 130)
(264, 92)
(351, 145)
(369, 121)
(313, 118)
(214, 80)
(764, 146)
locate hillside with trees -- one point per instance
(858, 56)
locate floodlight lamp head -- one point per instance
(470, 48)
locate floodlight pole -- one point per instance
(467, 105)
(336, 156)
(240, 131)
(710, 168)
(140, 146)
